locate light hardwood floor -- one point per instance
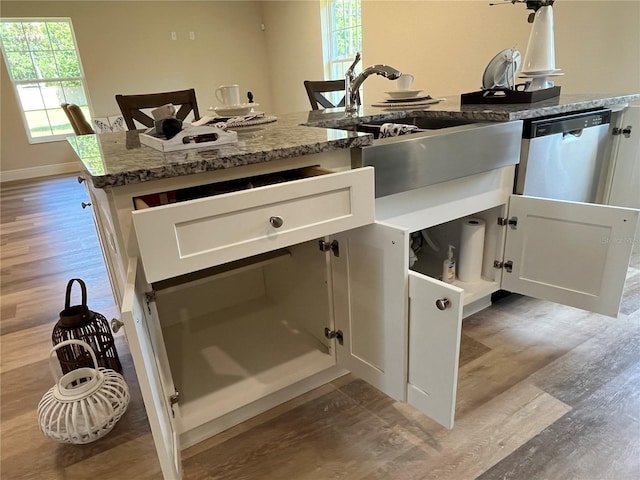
(545, 391)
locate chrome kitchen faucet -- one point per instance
(352, 83)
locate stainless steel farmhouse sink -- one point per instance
(441, 149)
(423, 123)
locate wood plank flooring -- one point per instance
(545, 391)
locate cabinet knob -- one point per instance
(85, 205)
(80, 179)
(443, 303)
(276, 221)
(116, 325)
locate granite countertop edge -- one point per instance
(293, 135)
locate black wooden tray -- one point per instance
(505, 95)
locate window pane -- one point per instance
(73, 92)
(21, 66)
(52, 94)
(37, 35)
(60, 35)
(30, 97)
(68, 63)
(13, 37)
(342, 43)
(38, 123)
(59, 121)
(45, 64)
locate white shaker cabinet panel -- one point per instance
(571, 253)
(154, 377)
(435, 325)
(370, 303)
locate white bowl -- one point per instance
(402, 94)
(235, 110)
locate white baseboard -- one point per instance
(37, 172)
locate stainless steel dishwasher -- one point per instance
(562, 157)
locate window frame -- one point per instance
(63, 129)
(335, 63)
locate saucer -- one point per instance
(235, 110)
(417, 98)
(530, 73)
(403, 94)
(540, 75)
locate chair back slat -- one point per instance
(131, 106)
(317, 89)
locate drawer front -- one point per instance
(185, 237)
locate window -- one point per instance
(343, 36)
(43, 62)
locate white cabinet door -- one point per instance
(435, 323)
(370, 305)
(149, 358)
(571, 253)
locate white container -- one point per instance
(449, 267)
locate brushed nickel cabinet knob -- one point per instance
(116, 325)
(276, 221)
(443, 303)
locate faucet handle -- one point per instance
(353, 65)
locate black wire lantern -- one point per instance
(80, 323)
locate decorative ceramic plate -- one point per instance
(502, 69)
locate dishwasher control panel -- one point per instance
(565, 123)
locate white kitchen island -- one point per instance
(236, 299)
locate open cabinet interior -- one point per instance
(429, 248)
(246, 331)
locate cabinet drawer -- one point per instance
(184, 237)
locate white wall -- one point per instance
(447, 44)
(294, 50)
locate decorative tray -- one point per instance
(189, 137)
(506, 95)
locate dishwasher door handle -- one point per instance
(573, 133)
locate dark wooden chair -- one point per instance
(76, 118)
(131, 106)
(316, 89)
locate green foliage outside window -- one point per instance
(344, 35)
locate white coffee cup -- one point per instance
(228, 95)
(405, 81)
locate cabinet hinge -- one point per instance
(173, 399)
(334, 334)
(150, 297)
(325, 246)
(513, 221)
(508, 266)
(622, 131)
